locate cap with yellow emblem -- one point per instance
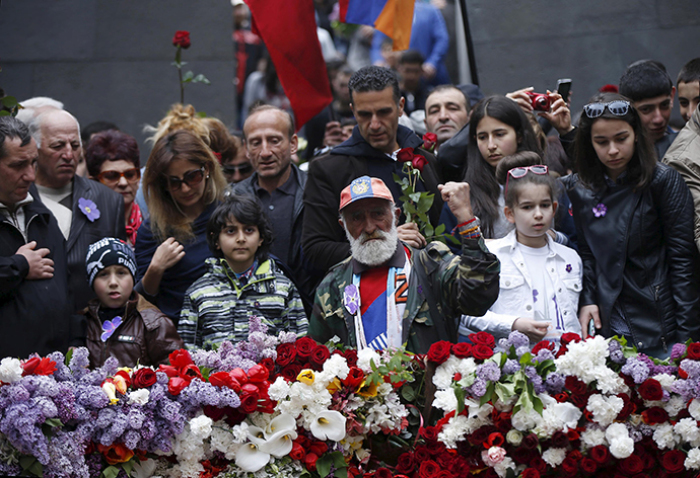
(364, 187)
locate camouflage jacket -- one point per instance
(466, 284)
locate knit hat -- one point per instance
(364, 187)
(109, 252)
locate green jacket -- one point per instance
(455, 285)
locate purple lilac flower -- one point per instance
(637, 369)
(543, 355)
(89, 208)
(67, 458)
(478, 388)
(692, 368)
(79, 362)
(503, 344)
(90, 396)
(518, 339)
(511, 366)
(206, 358)
(636, 435)
(616, 353)
(520, 351)
(162, 379)
(677, 351)
(534, 377)
(684, 388)
(555, 383)
(600, 210)
(489, 371)
(62, 373)
(658, 369)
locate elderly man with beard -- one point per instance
(388, 294)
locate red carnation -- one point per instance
(440, 351)
(429, 141)
(38, 366)
(305, 347)
(569, 337)
(483, 338)
(286, 354)
(481, 351)
(419, 162)
(182, 39)
(405, 155)
(673, 461)
(693, 351)
(144, 377)
(651, 390)
(320, 355)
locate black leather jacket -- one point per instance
(639, 258)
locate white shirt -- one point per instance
(17, 217)
(52, 200)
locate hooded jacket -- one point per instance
(323, 239)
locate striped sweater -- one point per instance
(217, 306)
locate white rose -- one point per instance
(514, 437)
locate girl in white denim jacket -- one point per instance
(540, 280)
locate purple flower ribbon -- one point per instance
(109, 326)
(89, 208)
(600, 210)
(351, 298)
(568, 268)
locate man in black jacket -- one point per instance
(34, 299)
(370, 151)
(86, 210)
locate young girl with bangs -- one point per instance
(634, 218)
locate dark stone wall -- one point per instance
(111, 60)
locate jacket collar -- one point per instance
(81, 189)
(510, 241)
(220, 268)
(356, 145)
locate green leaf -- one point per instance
(128, 466)
(537, 404)
(5, 113)
(504, 391)
(415, 197)
(110, 472)
(201, 114)
(526, 358)
(459, 393)
(425, 202)
(53, 422)
(408, 393)
(323, 465)
(31, 465)
(201, 79)
(487, 396)
(187, 77)
(440, 230)
(9, 101)
(428, 230)
(69, 356)
(338, 460)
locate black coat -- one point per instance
(111, 223)
(34, 314)
(640, 257)
(323, 239)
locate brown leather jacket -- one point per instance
(146, 336)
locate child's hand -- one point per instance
(168, 254)
(534, 329)
(587, 313)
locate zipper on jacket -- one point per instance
(663, 326)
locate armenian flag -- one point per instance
(394, 18)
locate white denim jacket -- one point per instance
(515, 296)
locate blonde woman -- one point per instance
(183, 184)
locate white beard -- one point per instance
(374, 253)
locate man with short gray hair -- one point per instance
(86, 210)
(34, 298)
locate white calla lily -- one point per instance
(281, 422)
(257, 435)
(279, 444)
(251, 458)
(328, 425)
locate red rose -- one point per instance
(483, 338)
(430, 433)
(530, 473)
(320, 355)
(406, 463)
(191, 371)
(588, 465)
(351, 357)
(444, 474)
(298, 452)
(405, 155)
(530, 441)
(693, 351)
(538, 463)
(286, 354)
(318, 447)
(419, 162)
(144, 377)
(290, 372)
(600, 454)
(440, 351)
(651, 390)
(481, 351)
(305, 347)
(249, 402)
(544, 344)
(182, 39)
(654, 415)
(421, 454)
(569, 337)
(632, 465)
(559, 439)
(268, 363)
(180, 358)
(310, 461)
(462, 350)
(569, 466)
(428, 469)
(38, 366)
(445, 460)
(383, 473)
(429, 141)
(258, 373)
(576, 386)
(561, 397)
(215, 413)
(177, 385)
(673, 461)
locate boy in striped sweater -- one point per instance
(241, 281)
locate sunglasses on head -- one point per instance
(617, 107)
(244, 168)
(519, 172)
(191, 178)
(112, 177)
